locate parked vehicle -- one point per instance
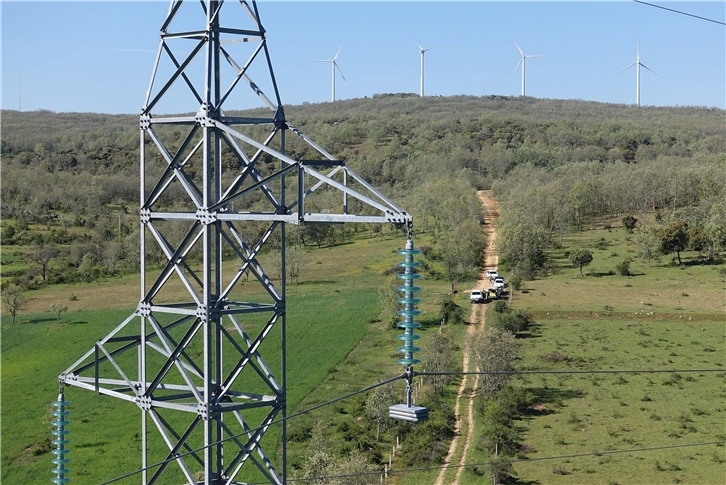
(495, 293)
(499, 282)
(477, 296)
(491, 274)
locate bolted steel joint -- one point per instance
(145, 216)
(144, 309)
(202, 312)
(206, 217)
(202, 117)
(143, 402)
(207, 412)
(145, 121)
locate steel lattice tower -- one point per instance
(194, 366)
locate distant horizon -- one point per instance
(402, 94)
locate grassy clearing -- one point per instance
(663, 317)
(663, 289)
(334, 346)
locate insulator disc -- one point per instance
(409, 288)
(413, 336)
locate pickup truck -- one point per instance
(491, 274)
(477, 296)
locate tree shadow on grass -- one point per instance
(41, 320)
(532, 332)
(601, 274)
(77, 322)
(91, 445)
(316, 282)
(516, 481)
(549, 395)
(433, 322)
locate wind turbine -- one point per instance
(637, 65)
(522, 62)
(422, 51)
(333, 67)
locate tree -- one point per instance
(629, 223)
(674, 238)
(377, 403)
(57, 308)
(14, 300)
(494, 350)
(581, 257)
(42, 255)
(317, 233)
(295, 260)
(697, 239)
(646, 239)
(388, 296)
(438, 356)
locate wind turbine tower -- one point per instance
(522, 62)
(422, 51)
(333, 67)
(637, 65)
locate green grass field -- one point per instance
(665, 317)
(334, 346)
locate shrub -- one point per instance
(428, 442)
(450, 312)
(516, 282)
(513, 322)
(601, 244)
(629, 223)
(501, 307)
(623, 267)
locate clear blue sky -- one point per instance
(98, 56)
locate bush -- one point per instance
(428, 442)
(623, 268)
(450, 312)
(515, 282)
(512, 322)
(629, 223)
(501, 307)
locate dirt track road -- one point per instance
(464, 427)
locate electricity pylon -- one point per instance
(192, 355)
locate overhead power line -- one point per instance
(515, 460)
(401, 376)
(682, 13)
(252, 430)
(596, 371)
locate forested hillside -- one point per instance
(553, 163)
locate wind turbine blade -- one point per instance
(651, 70)
(534, 56)
(341, 72)
(324, 61)
(419, 46)
(520, 50)
(627, 67)
(517, 69)
(341, 48)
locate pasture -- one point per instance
(663, 317)
(335, 345)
